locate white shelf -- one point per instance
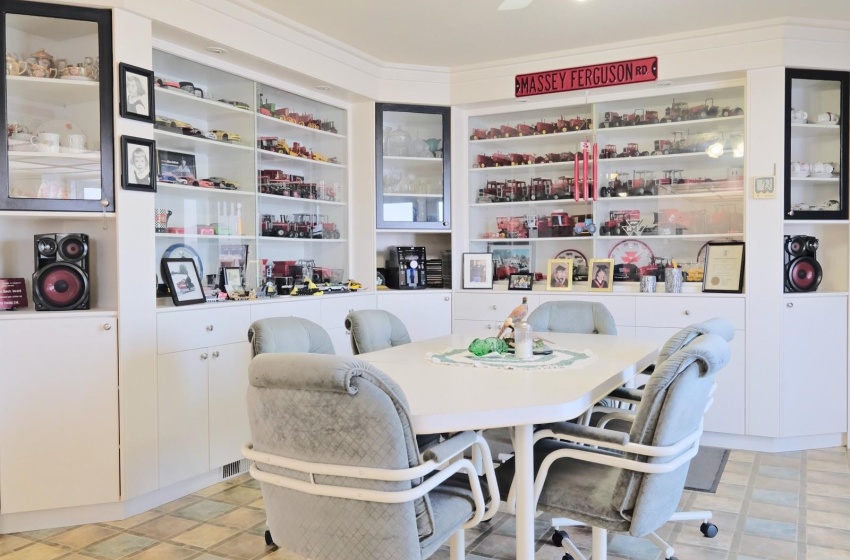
(816, 222)
(822, 293)
(808, 130)
(695, 236)
(532, 239)
(412, 195)
(205, 191)
(713, 195)
(271, 158)
(44, 215)
(669, 157)
(298, 239)
(30, 313)
(268, 126)
(291, 199)
(412, 230)
(197, 237)
(172, 101)
(698, 125)
(814, 179)
(542, 167)
(181, 142)
(559, 201)
(52, 90)
(535, 139)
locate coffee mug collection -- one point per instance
(41, 64)
(20, 139)
(802, 117)
(673, 278)
(819, 169)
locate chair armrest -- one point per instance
(627, 395)
(569, 430)
(447, 449)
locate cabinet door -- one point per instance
(475, 329)
(426, 315)
(228, 379)
(59, 414)
(413, 166)
(813, 380)
(182, 415)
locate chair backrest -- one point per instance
(572, 317)
(288, 334)
(717, 325)
(331, 409)
(672, 406)
(375, 329)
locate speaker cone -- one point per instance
(804, 274)
(61, 286)
(72, 248)
(46, 246)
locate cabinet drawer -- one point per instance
(184, 330)
(336, 309)
(621, 307)
(667, 311)
(489, 307)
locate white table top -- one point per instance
(450, 398)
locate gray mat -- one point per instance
(706, 469)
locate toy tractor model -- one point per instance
(277, 228)
(609, 151)
(540, 188)
(494, 133)
(484, 161)
(501, 160)
(631, 150)
(563, 225)
(662, 147)
(328, 228)
(585, 226)
(546, 128)
(676, 112)
(512, 190)
(508, 131)
(478, 134)
(490, 192)
(679, 144)
(525, 130)
(672, 177)
(612, 119)
(707, 110)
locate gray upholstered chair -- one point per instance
(375, 329)
(288, 334)
(632, 482)
(339, 468)
(572, 317)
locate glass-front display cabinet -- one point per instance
(58, 150)
(413, 167)
(815, 144)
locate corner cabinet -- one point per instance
(58, 108)
(413, 167)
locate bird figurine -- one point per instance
(518, 314)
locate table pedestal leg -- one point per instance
(524, 482)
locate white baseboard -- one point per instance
(99, 513)
(771, 444)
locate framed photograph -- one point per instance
(559, 275)
(764, 187)
(601, 275)
(176, 167)
(135, 93)
(510, 258)
(478, 271)
(521, 281)
(137, 167)
(183, 281)
(724, 267)
(232, 277)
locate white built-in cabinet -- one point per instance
(425, 313)
(59, 406)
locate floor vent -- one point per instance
(234, 468)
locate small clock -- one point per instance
(183, 251)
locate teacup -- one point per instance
(46, 142)
(800, 167)
(828, 118)
(798, 115)
(77, 143)
(16, 67)
(39, 71)
(821, 167)
(61, 64)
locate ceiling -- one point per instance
(452, 33)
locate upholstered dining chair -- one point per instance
(572, 317)
(340, 472)
(288, 334)
(630, 482)
(375, 329)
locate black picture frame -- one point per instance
(139, 106)
(183, 281)
(521, 281)
(132, 148)
(724, 267)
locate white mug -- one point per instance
(46, 142)
(796, 114)
(77, 142)
(799, 167)
(821, 167)
(828, 117)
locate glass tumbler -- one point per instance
(523, 340)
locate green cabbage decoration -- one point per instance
(483, 346)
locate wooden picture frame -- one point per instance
(135, 93)
(478, 271)
(521, 281)
(600, 275)
(137, 164)
(724, 267)
(183, 281)
(559, 275)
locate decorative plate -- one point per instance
(631, 251)
(183, 251)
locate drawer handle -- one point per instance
(204, 356)
(446, 298)
(489, 326)
(495, 307)
(687, 312)
(789, 304)
(210, 328)
(107, 326)
(215, 354)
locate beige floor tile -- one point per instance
(779, 461)
(832, 490)
(698, 552)
(82, 536)
(135, 520)
(166, 526)
(829, 466)
(281, 554)
(243, 547)
(178, 504)
(773, 512)
(827, 538)
(240, 479)
(691, 535)
(259, 504)
(836, 520)
(825, 477)
(119, 546)
(42, 534)
(820, 553)
(241, 518)
(778, 484)
(837, 454)
(78, 556)
(736, 466)
(164, 551)
(205, 536)
(717, 503)
(214, 489)
(827, 503)
(37, 551)
(742, 456)
(237, 495)
(731, 477)
(8, 543)
(736, 491)
(761, 547)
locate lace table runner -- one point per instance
(558, 359)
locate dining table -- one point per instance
(449, 389)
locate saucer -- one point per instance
(823, 175)
(799, 173)
(798, 121)
(78, 78)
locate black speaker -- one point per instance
(803, 272)
(61, 278)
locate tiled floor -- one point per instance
(776, 506)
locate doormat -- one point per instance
(706, 469)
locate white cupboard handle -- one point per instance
(446, 298)
(687, 312)
(215, 354)
(789, 304)
(489, 326)
(204, 356)
(495, 307)
(107, 326)
(210, 328)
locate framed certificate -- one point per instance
(724, 267)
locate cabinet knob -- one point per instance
(495, 307)
(687, 312)
(789, 305)
(107, 326)
(489, 326)
(446, 298)
(210, 328)
(204, 356)
(215, 354)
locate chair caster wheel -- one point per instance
(558, 539)
(708, 530)
(672, 558)
(567, 557)
(268, 536)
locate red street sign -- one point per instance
(588, 77)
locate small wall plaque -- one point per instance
(13, 294)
